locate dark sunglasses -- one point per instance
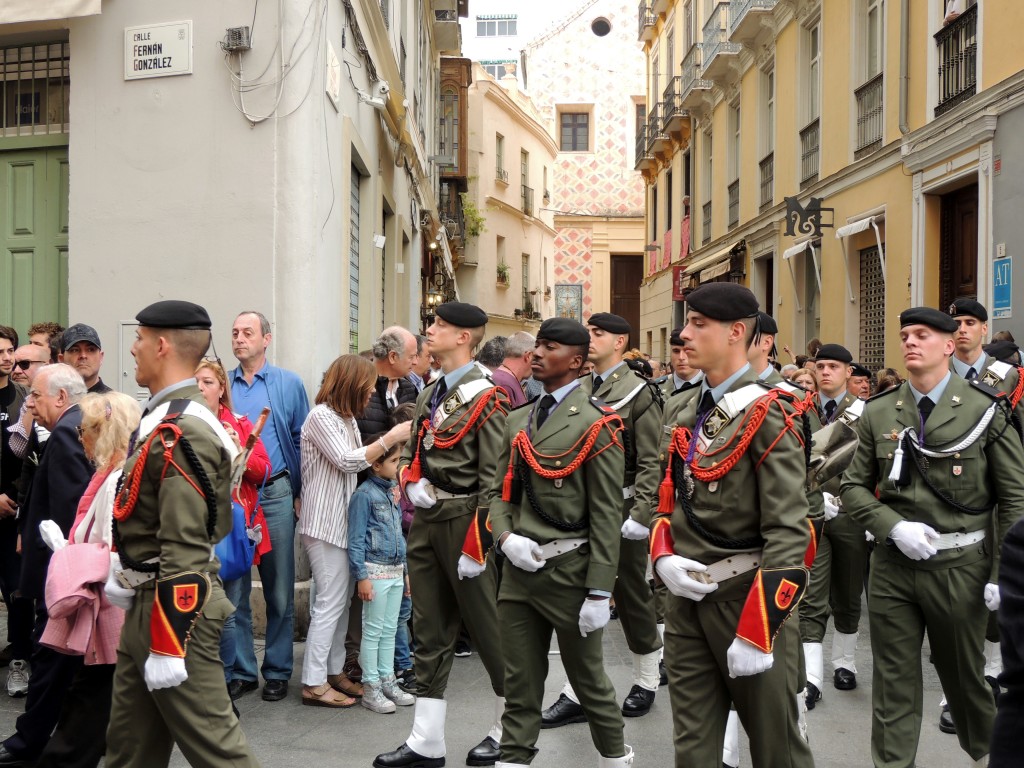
(25, 364)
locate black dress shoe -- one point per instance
(403, 757)
(238, 688)
(11, 761)
(946, 724)
(638, 702)
(844, 680)
(813, 695)
(563, 712)
(484, 753)
(994, 685)
(275, 690)
(662, 673)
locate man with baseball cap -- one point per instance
(935, 456)
(80, 348)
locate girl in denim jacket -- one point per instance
(376, 550)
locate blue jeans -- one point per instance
(228, 650)
(403, 653)
(380, 621)
(277, 572)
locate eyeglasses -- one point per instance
(26, 364)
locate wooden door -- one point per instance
(627, 272)
(33, 237)
(958, 255)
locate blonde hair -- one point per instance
(217, 369)
(111, 417)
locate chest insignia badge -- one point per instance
(714, 422)
(957, 470)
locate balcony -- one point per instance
(719, 52)
(810, 143)
(643, 159)
(674, 117)
(660, 7)
(705, 224)
(446, 31)
(648, 18)
(958, 64)
(869, 116)
(734, 203)
(693, 83)
(658, 141)
(500, 174)
(767, 181)
(527, 200)
(747, 17)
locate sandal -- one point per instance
(342, 684)
(325, 696)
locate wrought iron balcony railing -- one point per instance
(810, 144)
(869, 116)
(958, 65)
(767, 165)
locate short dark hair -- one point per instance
(492, 353)
(190, 344)
(264, 323)
(6, 332)
(402, 413)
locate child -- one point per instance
(403, 638)
(376, 552)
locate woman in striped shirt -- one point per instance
(332, 454)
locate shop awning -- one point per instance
(711, 265)
(796, 250)
(15, 11)
(854, 228)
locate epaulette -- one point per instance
(660, 380)
(992, 392)
(785, 393)
(602, 406)
(877, 395)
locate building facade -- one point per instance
(877, 119)
(288, 165)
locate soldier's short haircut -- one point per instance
(519, 343)
(390, 340)
(190, 344)
(492, 353)
(264, 323)
(62, 376)
(476, 335)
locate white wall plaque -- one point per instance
(158, 50)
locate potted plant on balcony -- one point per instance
(503, 275)
(474, 220)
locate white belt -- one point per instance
(629, 492)
(560, 547)
(732, 566)
(957, 540)
(444, 495)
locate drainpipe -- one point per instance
(904, 66)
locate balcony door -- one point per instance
(958, 254)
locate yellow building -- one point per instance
(884, 112)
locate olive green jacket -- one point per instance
(986, 472)
(641, 417)
(593, 493)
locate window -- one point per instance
(499, 158)
(812, 37)
(401, 59)
(734, 149)
(668, 198)
(574, 132)
(706, 184)
(687, 26)
(35, 87)
(873, 32)
(528, 307)
(448, 140)
(641, 116)
(496, 68)
(385, 11)
(768, 112)
(872, 311)
(495, 26)
(353, 262)
(524, 166)
(670, 54)
(655, 70)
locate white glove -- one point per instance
(523, 553)
(634, 531)
(831, 505)
(673, 570)
(992, 597)
(470, 568)
(421, 493)
(869, 536)
(52, 535)
(745, 660)
(914, 539)
(594, 614)
(164, 672)
(118, 596)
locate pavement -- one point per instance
(286, 734)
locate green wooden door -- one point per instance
(33, 237)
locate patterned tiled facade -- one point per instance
(572, 260)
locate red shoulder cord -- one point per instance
(1018, 391)
(444, 439)
(679, 445)
(124, 503)
(583, 446)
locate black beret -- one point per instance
(963, 306)
(79, 332)
(676, 339)
(1002, 350)
(767, 323)
(834, 352)
(930, 317)
(175, 314)
(640, 366)
(860, 370)
(723, 301)
(564, 330)
(461, 314)
(606, 321)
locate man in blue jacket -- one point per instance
(255, 385)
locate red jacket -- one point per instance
(257, 470)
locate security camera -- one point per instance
(374, 101)
(381, 89)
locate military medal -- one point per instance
(687, 481)
(957, 470)
(428, 441)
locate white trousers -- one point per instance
(328, 616)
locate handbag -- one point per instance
(237, 550)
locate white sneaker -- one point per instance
(375, 700)
(18, 675)
(389, 687)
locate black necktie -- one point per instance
(598, 381)
(542, 411)
(925, 408)
(830, 410)
(440, 389)
(707, 402)
(972, 374)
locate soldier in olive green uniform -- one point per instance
(638, 403)
(558, 523)
(446, 472)
(939, 452)
(169, 681)
(729, 541)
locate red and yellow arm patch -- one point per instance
(478, 536)
(179, 600)
(662, 543)
(816, 526)
(770, 602)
